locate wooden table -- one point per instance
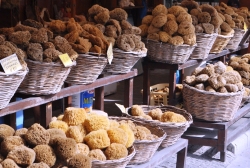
(44, 117)
(221, 134)
(162, 154)
(148, 64)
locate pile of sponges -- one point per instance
(173, 26)
(215, 78)
(157, 114)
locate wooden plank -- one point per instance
(162, 154)
(65, 92)
(128, 90)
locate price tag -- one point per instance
(67, 62)
(245, 26)
(110, 53)
(11, 64)
(121, 107)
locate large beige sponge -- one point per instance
(96, 122)
(97, 139)
(74, 116)
(46, 154)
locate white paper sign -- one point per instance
(110, 53)
(121, 107)
(11, 64)
(67, 62)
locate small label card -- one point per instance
(11, 64)
(110, 53)
(121, 107)
(245, 26)
(67, 62)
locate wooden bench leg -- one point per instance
(146, 83)
(181, 158)
(128, 92)
(46, 115)
(99, 98)
(222, 136)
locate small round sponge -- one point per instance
(97, 139)
(44, 153)
(74, 116)
(80, 161)
(116, 151)
(97, 154)
(37, 135)
(65, 148)
(117, 135)
(96, 122)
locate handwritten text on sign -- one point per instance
(11, 64)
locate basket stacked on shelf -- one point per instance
(145, 148)
(174, 121)
(213, 93)
(169, 34)
(206, 21)
(10, 81)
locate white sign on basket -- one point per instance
(67, 62)
(110, 53)
(11, 64)
(121, 107)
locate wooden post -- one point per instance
(128, 92)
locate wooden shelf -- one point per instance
(35, 101)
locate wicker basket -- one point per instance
(119, 163)
(173, 130)
(145, 149)
(123, 62)
(9, 85)
(167, 53)
(87, 70)
(204, 44)
(220, 43)
(236, 39)
(211, 106)
(43, 78)
(245, 38)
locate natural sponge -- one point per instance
(116, 151)
(45, 153)
(97, 154)
(137, 110)
(37, 135)
(97, 139)
(170, 116)
(117, 135)
(58, 124)
(5, 131)
(130, 134)
(74, 116)
(79, 161)
(76, 132)
(22, 155)
(83, 148)
(9, 143)
(96, 122)
(65, 148)
(9, 163)
(118, 14)
(159, 9)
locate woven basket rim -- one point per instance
(168, 124)
(131, 155)
(205, 34)
(223, 36)
(185, 45)
(213, 93)
(143, 123)
(136, 54)
(48, 63)
(93, 54)
(21, 71)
